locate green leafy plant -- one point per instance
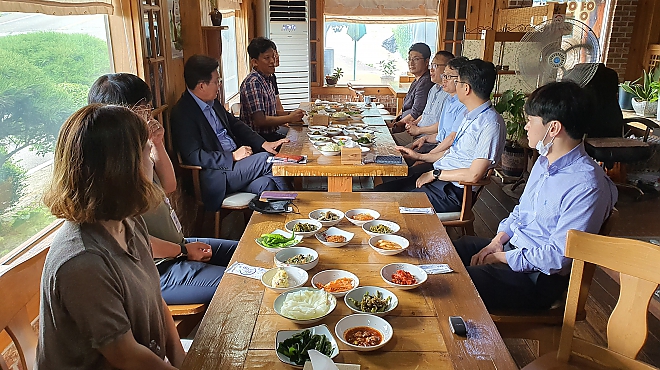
(647, 90)
(512, 108)
(337, 73)
(388, 68)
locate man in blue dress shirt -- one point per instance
(523, 266)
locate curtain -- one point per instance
(58, 7)
(228, 4)
(377, 8)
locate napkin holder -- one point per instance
(308, 366)
(351, 155)
(320, 120)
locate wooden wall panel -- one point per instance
(646, 31)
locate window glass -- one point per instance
(373, 53)
(229, 59)
(47, 64)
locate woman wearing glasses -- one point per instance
(419, 55)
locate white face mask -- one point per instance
(544, 149)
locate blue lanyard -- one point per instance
(461, 133)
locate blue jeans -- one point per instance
(188, 282)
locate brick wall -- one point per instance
(622, 28)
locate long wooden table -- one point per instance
(238, 330)
(340, 177)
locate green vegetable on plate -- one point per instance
(276, 240)
(296, 347)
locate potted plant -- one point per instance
(645, 95)
(512, 108)
(387, 69)
(332, 79)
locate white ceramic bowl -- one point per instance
(359, 125)
(283, 233)
(340, 118)
(358, 293)
(322, 329)
(285, 254)
(349, 215)
(313, 138)
(339, 126)
(333, 131)
(403, 242)
(315, 214)
(277, 305)
(327, 276)
(329, 153)
(392, 225)
(388, 270)
(320, 128)
(290, 225)
(297, 277)
(334, 231)
(339, 138)
(371, 321)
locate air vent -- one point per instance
(288, 11)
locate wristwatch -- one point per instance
(184, 250)
(436, 174)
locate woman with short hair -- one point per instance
(101, 306)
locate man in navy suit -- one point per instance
(232, 156)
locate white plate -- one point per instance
(349, 215)
(277, 305)
(327, 276)
(392, 225)
(290, 225)
(284, 234)
(371, 321)
(388, 270)
(334, 231)
(297, 277)
(286, 253)
(403, 242)
(364, 149)
(315, 214)
(320, 128)
(322, 329)
(358, 293)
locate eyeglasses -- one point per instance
(415, 59)
(448, 77)
(435, 66)
(456, 82)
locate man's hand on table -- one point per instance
(242, 152)
(271, 146)
(492, 253)
(427, 177)
(407, 152)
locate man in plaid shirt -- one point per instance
(258, 96)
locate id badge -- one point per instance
(175, 219)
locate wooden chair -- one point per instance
(232, 202)
(465, 218)
(545, 326)
(186, 317)
(627, 329)
(19, 306)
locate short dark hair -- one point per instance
(260, 45)
(480, 75)
(565, 102)
(199, 68)
(421, 48)
(457, 62)
(120, 89)
(97, 173)
(445, 54)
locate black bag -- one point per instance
(272, 207)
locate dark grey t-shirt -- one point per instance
(92, 292)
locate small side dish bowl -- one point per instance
(291, 225)
(328, 153)
(351, 213)
(279, 302)
(327, 276)
(323, 237)
(388, 270)
(316, 215)
(339, 138)
(333, 131)
(400, 240)
(361, 320)
(358, 293)
(317, 127)
(297, 277)
(282, 256)
(375, 223)
(322, 329)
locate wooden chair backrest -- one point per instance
(466, 209)
(19, 288)
(636, 261)
(194, 174)
(652, 58)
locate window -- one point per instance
(455, 26)
(373, 53)
(229, 56)
(48, 64)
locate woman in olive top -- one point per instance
(190, 268)
(101, 306)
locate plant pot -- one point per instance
(514, 160)
(216, 17)
(386, 80)
(645, 108)
(625, 99)
(331, 81)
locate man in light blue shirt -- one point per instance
(476, 148)
(523, 266)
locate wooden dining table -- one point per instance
(239, 328)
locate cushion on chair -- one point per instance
(237, 200)
(449, 216)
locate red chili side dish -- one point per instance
(363, 336)
(402, 277)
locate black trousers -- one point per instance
(443, 195)
(502, 288)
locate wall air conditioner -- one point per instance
(288, 27)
